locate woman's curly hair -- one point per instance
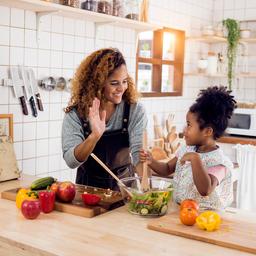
(90, 78)
(214, 108)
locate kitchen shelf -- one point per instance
(248, 40)
(208, 39)
(218, 39)
(205, 75)
(240, 75)
(44, 7)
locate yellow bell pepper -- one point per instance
(24, 194)
(208, 220)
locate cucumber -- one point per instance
(144, 211)
(164, 209)
(42, 183)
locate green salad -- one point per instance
(150, 203)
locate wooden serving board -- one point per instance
(235, 234)
(109, 201)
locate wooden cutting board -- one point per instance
(235, 234)
(109, 201)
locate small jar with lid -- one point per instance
(118, 7)
(72, 3)
(132, 9)
(90, 5)
(53, 1)
(105, 6)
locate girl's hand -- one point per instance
(188, 157)
(97, 119)
(145, 156)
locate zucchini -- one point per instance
(42, 183)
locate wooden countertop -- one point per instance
(238, 140)
(114, 233)
(233, 139)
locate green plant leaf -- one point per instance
(233, 37)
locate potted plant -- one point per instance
(233, 36)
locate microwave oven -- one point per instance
(243, 122)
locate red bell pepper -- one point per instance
(90, 199)
(47, 200)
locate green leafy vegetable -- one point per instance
(150, 203)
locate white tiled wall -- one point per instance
(63, 44)
(244, 88)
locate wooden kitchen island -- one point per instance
(114, 233)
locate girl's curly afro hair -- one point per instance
(214, 107)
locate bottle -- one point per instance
(212, 63)
(90, 5)
(132, 9)
(72, 3)
(105, 6)
(117, 9)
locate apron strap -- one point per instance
(126, 116)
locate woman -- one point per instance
(103, 117)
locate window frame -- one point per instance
(157, 62)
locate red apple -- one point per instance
(30, 208)
(66, 191)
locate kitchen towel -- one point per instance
(246, 189)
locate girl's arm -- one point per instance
(163, 169)
(204, 182)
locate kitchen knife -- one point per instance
(33, 84)
(28, 90)
(17, 86)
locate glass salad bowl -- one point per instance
(153, 202)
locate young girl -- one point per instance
(202, 171)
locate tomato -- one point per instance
(189, 203)
(54, 187)
(30, 208)
(90, 199)
(188, 216)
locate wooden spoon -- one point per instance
(111, 173)
(171, 137)
(169, 122)
(144, 180)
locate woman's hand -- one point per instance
(145, 156)
(189, 157)
(97, 119)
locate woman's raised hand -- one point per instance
(145, 156)
(97, 118)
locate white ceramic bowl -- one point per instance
(245, 33)
(202, 64)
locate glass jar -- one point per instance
(105, 6)
(53, 1)
(117, 9)
(90, 5)
(132, 9)
(72, 3)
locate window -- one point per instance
(159, 62)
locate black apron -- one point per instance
(113, 150)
